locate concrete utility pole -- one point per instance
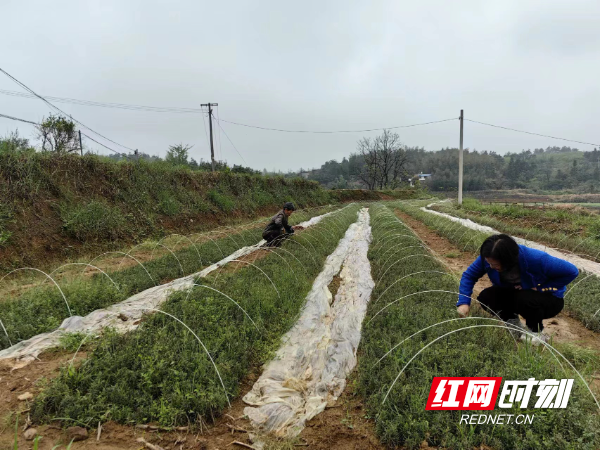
(80, 145)
(460, 159)
(212, 149)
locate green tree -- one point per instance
(177, 155)
(58, 134)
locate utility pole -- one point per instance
(212, 149)
(460, 160)
(80, 145)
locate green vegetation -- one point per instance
(402, 420)
(582, 302)
(56, 207)
(550, 169)
(573, 229)
(43, 308)
(161, 373)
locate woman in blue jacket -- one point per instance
(525, 281)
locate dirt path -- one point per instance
(563, 328)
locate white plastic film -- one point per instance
(581, 263)
(131, 309)
(309, 371)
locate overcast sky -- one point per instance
(317, 65)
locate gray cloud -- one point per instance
(310, 65)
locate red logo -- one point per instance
(461, 393)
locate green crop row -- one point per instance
(162, 373)
(406, 343)
(582, 302)
(43, 308)
(561, 228)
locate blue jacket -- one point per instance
(538, 269)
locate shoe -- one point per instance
(516, 328)
(536, 339)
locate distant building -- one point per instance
(420, 177)
(305, 175)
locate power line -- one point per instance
(100, 143)
(338, 131)
(35, 123)
(529, 132)
(75, 101)
(58, 109)
(226, 135)
(20, 120)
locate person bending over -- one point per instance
(278, 229)
(526, 282)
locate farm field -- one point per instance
(185, 367)
(572, 229)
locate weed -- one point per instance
(72, 341)
(95, 221)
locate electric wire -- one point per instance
(160, 109)
(338, 131)
(232, 144)
(529, 132)
(60, 110)
(37, 124)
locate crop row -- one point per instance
(171, 373)
(412, 333)
(582, 299)
(43, 308)
(580, 235)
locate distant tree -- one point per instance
(13, 143)
(177, 155)
(384, 160)
(58, 134)
(242, 169)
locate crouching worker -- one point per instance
(526, 282)
(278, 229)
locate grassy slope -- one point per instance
(402, 420)
(60, 207)
(160, 373)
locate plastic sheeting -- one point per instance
(131, 309)
(581, 263)
(309, 371)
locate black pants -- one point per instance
(532, 305)
(275, 238)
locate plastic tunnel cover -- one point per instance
(581, 263)
(134, 308)
(309, 371)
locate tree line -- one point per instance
(59, 135)
(383, 162)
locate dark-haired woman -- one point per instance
(526, 282)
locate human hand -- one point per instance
(463, 310)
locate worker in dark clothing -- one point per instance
(278, 229)
(525, 281)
